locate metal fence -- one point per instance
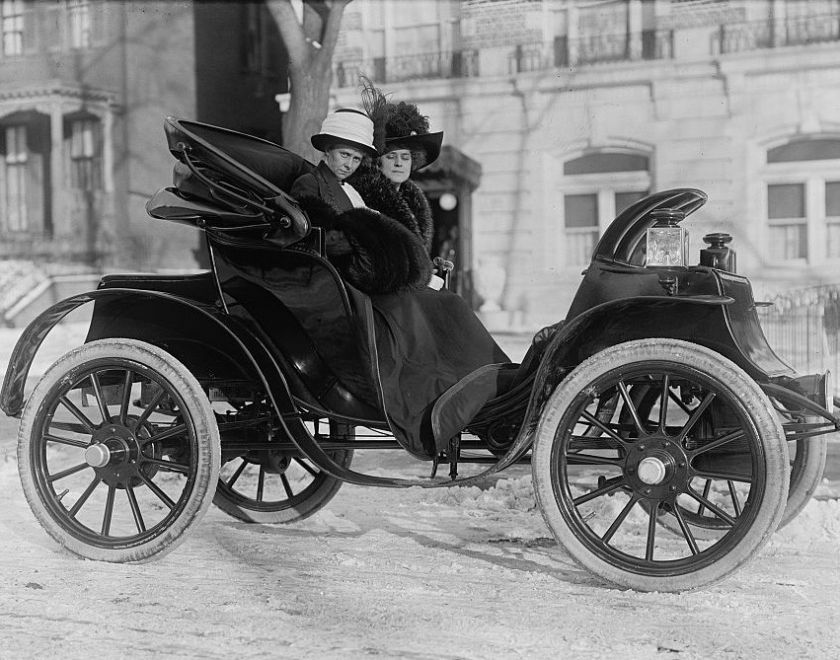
(771, 33)
(803, 327)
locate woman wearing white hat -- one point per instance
(346, 137)
(373, 252)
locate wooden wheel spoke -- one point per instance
(686, 531)
(630, 407)
(65, 441)
(261, 484)
(125, 400)
(663, 402)
(135, 510)
(150, 408)
(100, 398)
(162, 496)
(720, 513)
(695, 416)
(672, 395)
(588, 459)
(608, 431)
(68, 426)
(305, 466)
(109, 511)
(78, 414)
(611, 486)
(733, 494)
(286, 486)
(715, 444)
(67, 472)
(724, 476)
(171, 432)
(619, 519)
(236, 474)
(650, 543)
(170, 466)
(706, 490)
(84, 497)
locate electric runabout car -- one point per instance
(667, 441)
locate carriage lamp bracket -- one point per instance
(670, 282)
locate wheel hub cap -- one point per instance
(651, 470)
(97, 455)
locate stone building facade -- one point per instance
(574, 109)
(84, 88)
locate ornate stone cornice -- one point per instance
(52, 89)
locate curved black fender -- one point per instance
(706, 320)
(254, 354)
(244, 352)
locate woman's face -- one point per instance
(343, 160)
(396, 165)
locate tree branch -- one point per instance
(290, 29)
(333, 26)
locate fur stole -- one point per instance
(408, 205)
(372, 252)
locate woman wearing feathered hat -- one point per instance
(406, 147)
(373, 252)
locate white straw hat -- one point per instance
(348, 126)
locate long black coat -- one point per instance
(426, 340)
(322, 184)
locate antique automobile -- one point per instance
(666, 439)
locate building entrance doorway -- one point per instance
(449, 183)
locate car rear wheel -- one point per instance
(807, 462)
(602, 484)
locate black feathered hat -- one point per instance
(406, 128)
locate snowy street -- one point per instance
(453, 573)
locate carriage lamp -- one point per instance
(667, 242)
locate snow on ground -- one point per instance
(463, 572)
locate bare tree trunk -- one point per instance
(308, 106)
(310, 44)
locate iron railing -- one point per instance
(424, 66)
(772, 33)
(521, 58)
(803, 327)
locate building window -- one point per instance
(85, 154)
(581, 218)
(11, 12)
(803, 201)
(598, 186)
(832, 219)
(80, 24)
(788, 222)
(15, 159)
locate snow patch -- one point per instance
(507, 494)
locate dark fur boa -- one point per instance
(408, 205)
(372, 252)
